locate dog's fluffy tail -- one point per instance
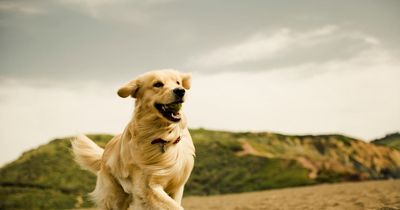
(87, 153)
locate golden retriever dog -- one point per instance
(147, 166)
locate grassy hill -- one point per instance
(390, 140)
(226, 162)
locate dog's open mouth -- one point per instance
(170, 111)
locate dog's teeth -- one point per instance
(176, 116)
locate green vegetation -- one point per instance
(226, 162)
(219, 170)
(390, 140)
(47, 177)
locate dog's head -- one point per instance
(161, 92)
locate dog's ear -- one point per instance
(186, 80)
(129, 89)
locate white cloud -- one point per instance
(137, 12)
(31, 114)
(159, 2)
(256, 47)
(262, 46)
(93, 7)
(21, 7)
(359, 96)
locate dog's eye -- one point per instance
(158, 84)
(177, 82)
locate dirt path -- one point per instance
(383, 195)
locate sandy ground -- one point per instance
(382, 195)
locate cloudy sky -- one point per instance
(295, 67)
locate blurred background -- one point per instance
(292, 84)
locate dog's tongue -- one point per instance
(174, 107)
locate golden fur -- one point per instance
(131, 172)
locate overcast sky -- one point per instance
(295, 67)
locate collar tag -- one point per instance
(177, 140)
(162, 143)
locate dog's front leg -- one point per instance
(159, 199)
(177, 196)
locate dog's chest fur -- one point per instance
(143, 162)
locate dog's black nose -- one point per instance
(180, 92)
